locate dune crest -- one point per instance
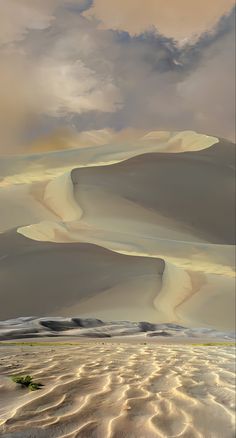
(59, 197)
(106, 149)
(121, 287)
(176, 287)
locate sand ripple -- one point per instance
(116, 390)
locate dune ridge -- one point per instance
(104, 294)
(135, 210)
(59, 197)
(18, 169)
(121, 214)
(96, 189)
(174, 279)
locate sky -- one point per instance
(80, 65)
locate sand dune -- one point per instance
(119, 390)
(138, 196)
(167, 219)
(178, 207)
(130, 240)
(120, 287)
(23, 179)
(27, 268)
(190, 192)
(19, 207)
(96, 149)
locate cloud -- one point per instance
(44, 72)
(72, 87)
(20, 16)
(59, 70)
(20, 98)
(208, 92)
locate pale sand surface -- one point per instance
(167, 208)
(174, 206)
(111, 389)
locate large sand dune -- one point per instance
(49, 279)
(146, 236)
(96, 148)
(191, 192)
(89, 280)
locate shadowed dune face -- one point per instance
(195, 190)
(46, 278)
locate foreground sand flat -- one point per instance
(104, 389)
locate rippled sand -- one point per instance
(102, 389)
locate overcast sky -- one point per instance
(81, 65)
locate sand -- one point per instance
(59, 328)
(100, 389)
(55, 279)
(96, 150)
(148, 236)
(135, 238)
(30, 270)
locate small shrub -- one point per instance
(34, 386)
(27, 382)
(23, 380)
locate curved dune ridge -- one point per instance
(94, 389)
(59, 197)
(156, 231)
(97, 149)
(121, 287)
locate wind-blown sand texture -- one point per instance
(102, 389)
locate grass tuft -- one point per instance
(27, 382)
